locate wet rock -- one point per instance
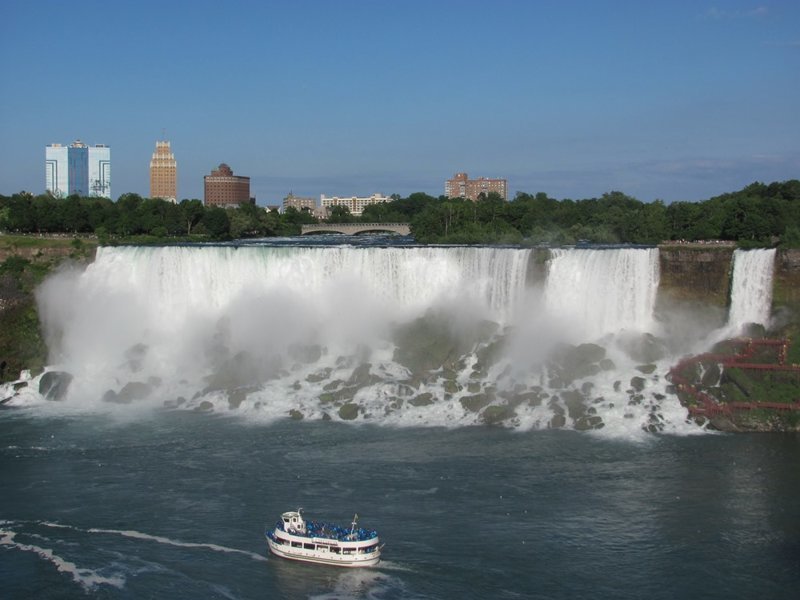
(473, 387)
(497, 414)
(607, 364)
(451, 387)
(638, 383)
(237, 396)
(587, 423)
(645, 348)
(573, 400)
(711, 375)
(336, 383)
(435, 341)
(557, 422)
(348, 411)
(319, 375)
(130, 392)
(174, 403)
(422, 400)
(361, 376)
(53, 385)
(617, 386)
(586, 388)
(475, 403)
(205, 406)
(295, 415)
(646, 369)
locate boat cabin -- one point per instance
(293, 522)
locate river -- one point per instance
(510, 431)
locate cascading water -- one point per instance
(603, 291)
(443, 336)
(751, 288)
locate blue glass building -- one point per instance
(78, 169)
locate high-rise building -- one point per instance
(355, 204)
(164, 173)
(461, 186)
(223, 188)
(78, 169)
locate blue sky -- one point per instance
(678, 100)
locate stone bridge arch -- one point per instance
(356, 228)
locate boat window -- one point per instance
(335, 550)
(308, 546)
(297, 545)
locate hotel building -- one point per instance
(223, 188)
(78, 169)
(292, 201)
(164, 173)
(355, 204)
(461, 186)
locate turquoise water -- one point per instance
(173, 505)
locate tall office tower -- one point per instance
(78, 169)
(461, 186)
(164, 173)
(223, 188)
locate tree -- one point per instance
(216, 222)
(340, 214)
(192, 211)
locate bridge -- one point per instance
(356, 228)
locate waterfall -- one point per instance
(603, 291)
(404, 336)
(751, 288)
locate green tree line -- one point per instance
(759, 214)
(131, 215)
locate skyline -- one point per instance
(680, 101)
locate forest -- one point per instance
(758, 215)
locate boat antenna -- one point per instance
(353, 524)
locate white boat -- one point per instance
(295, 538)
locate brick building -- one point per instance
(461, 186)
(223, 188)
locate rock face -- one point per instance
(53, 385)
(786, 289)
(695, 273)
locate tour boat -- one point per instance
(312, 541)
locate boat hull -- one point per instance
(328, 552)
(316, 556)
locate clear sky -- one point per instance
(677, 100)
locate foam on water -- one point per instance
(88, 579)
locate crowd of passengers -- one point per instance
(334, 532)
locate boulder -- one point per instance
(348, 411)
(497, 414)
(422, 400)
(475, 403)
(53, 385)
